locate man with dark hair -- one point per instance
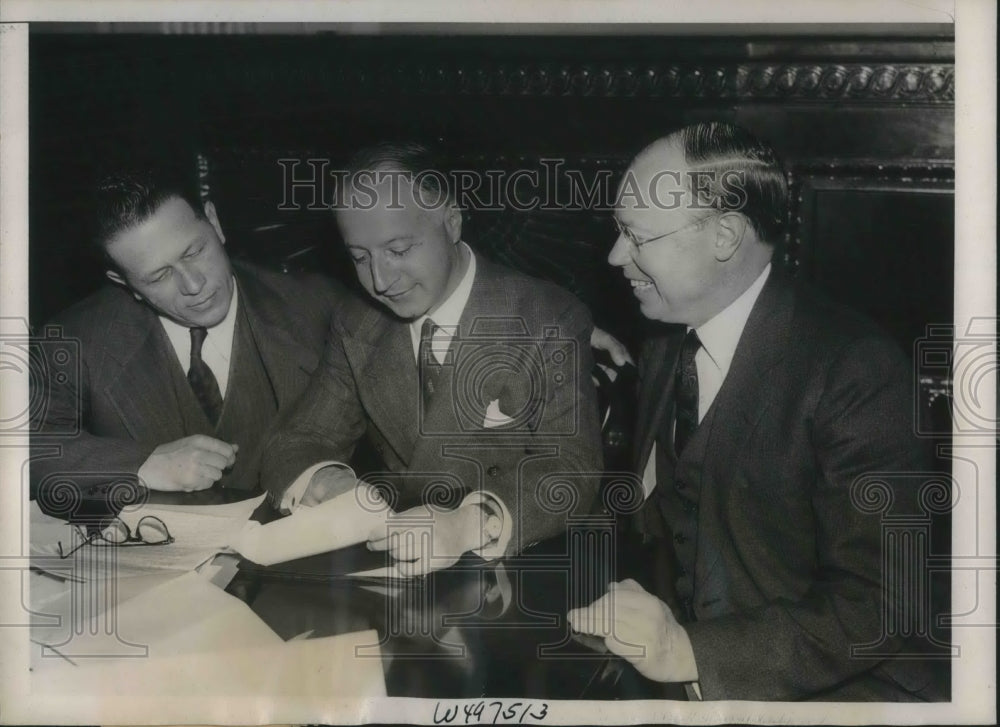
(761, 407)
(184, 360)
(471, 381)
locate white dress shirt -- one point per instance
(719, 338)
(216, 351)
(446, 316)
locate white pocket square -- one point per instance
(495, 417)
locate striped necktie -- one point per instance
(202, 380)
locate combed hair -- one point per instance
(722, 155)
(417, 162)
(127, 197)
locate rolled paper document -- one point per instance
(345, 520)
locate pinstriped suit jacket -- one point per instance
(522, 343)
(116, 403)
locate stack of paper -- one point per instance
(199, 532)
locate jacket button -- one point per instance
(679, 484)
(681, 538)
(493, 471)
(688, 605)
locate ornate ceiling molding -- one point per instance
(906, 82)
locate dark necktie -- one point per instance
(430, 369)
(202, 380)
(686, 388)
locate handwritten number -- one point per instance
(474, 712)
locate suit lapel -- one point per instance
(747, 390)
(389, 388)
(656, 393)
(288, 362)
(140, 389)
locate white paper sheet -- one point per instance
(164, 614)
(348, 665)
(345, 520)
(241, 510)
(188, 638)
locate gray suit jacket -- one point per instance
(521, 342)
(103, 412)
(788, 570)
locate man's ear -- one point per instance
(115, 277)
(213, 220)
(730, 230)
(453, 223)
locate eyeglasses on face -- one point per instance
(637, 242)
(150, 530)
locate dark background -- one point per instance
(863, 116)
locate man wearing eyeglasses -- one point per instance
(760, 406)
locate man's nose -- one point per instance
(382, 277)
(191, 279)
(620, 256)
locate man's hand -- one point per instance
(641, 629)
(422, 540)
(604, 341)
(327, 483)
(188, 464)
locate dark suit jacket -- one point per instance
(788, 571)
(116, 405)
(521, 341)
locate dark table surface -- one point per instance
(477, 629)
(494, 629)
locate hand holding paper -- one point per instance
(422, 539)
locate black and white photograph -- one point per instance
(498, 363)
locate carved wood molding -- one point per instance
(919, 82)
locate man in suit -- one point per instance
(184, 359)
(471, 381)
(762, 407)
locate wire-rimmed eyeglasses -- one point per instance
(150, 530)
(636, 242)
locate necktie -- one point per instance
(202, 380)
(686, 393)
(430, 369)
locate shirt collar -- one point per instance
(448, 314)
(221, 331)
(721, 334)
